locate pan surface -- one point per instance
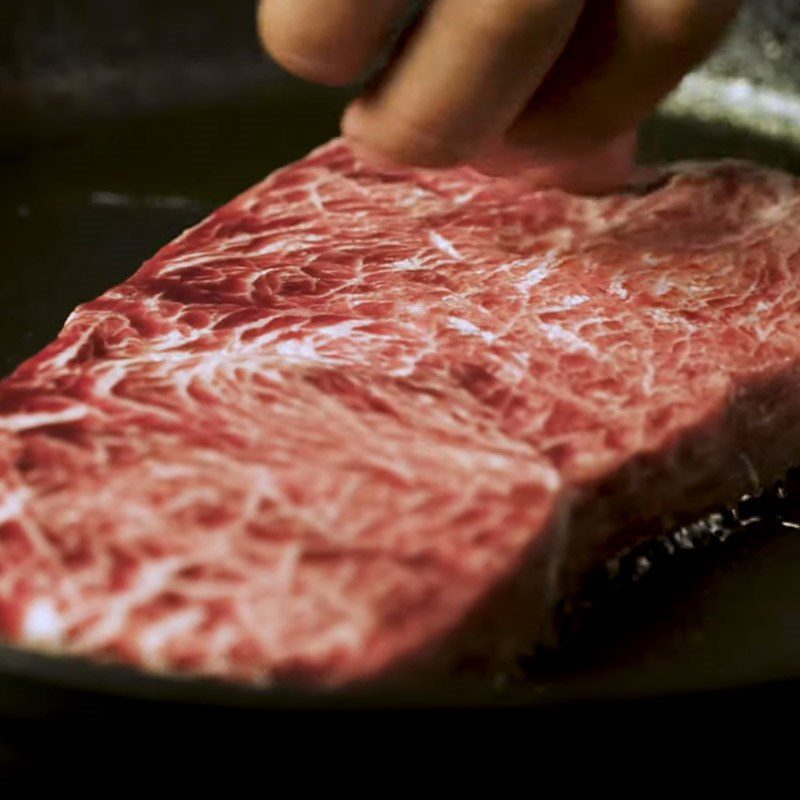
(81, 214)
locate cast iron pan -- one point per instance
(82, 214)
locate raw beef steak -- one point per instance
(358, 422)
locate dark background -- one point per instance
(63, 62)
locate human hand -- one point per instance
(552, 86)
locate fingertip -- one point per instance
(397, 140)
(302, 62)
(601, 169)
(351, 121)
(314, 69)
(363, 150)
(318, 41)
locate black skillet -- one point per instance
(720, 615)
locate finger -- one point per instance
(463, 76)
(624, 56)
(608, 167)
(328, 41)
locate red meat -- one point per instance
(353, 423)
